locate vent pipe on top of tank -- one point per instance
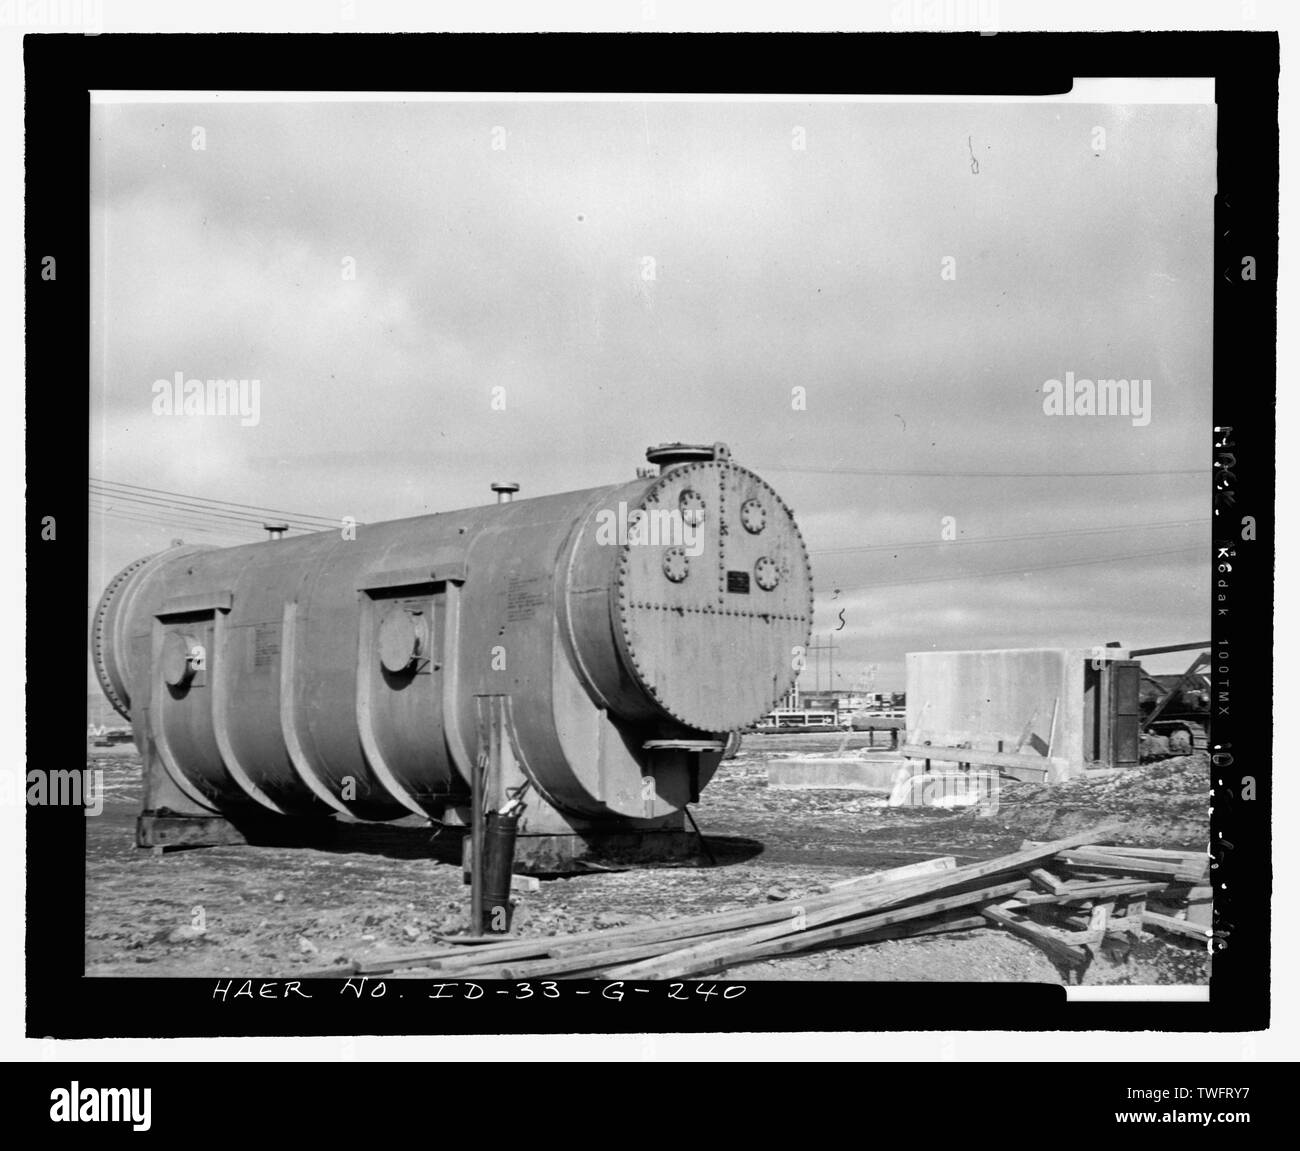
(505, 492)
(276, 531)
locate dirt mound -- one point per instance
(1164, 804)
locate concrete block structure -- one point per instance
(1040, 714)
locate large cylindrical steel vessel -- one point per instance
(627, 628)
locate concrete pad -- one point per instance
(834, 773)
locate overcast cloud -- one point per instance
(774, 267)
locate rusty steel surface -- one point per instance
(338, 672)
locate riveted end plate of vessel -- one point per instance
(714, 583)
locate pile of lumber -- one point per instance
(1069, 897)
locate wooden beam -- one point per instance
(895, 874)
(1107, 890)
(775, 949)
(1043, 937)
(464, 958)
(872, 901)
(787, 937)
(1094, 860)
(568, 964)
(1090, 892)
(1148, 852)
(1036, 899)
(1036, 763)
(1176, 926)
(1090, 859)
(1046, 881)
(847, 903)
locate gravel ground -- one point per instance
(385, 891)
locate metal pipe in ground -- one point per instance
(498, 866)
(476, 846)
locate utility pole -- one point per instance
(817, 648)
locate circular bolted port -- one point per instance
(691, 504)
(766, 574)
(401, 641)
(754, 516)
(182, 657)
(676, 565)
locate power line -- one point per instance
(206, 511)
(1008, 539)
(831, 470)
(170, 525)
(180, 510)
(211, 501)
(1018, 570)
(110, 505)
(189, 517)
(125, 489)
(199, 510)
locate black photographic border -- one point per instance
(61, 69)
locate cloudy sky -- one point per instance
(793, 245)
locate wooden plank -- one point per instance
(1176, 926)
(684, 928)
(1043, 937)
(901, 931)
(1149, 852)
(580, 967)
(1093, 860)
(671, 932)
(1046, 881)
(921, 927)
(1096, 859)
(567, 964)
(895, 874)
(1095, 891)
(868, 901)
(782, 939)
(1036, 899)
(1186, 870)
(1090, 892)
(1168, 854)
(975, 755)
(855, 903)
